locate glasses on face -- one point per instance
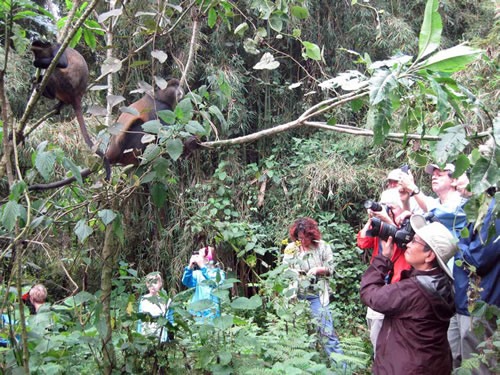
(419, 242)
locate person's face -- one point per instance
(392, 184)
(304, 239)
(441, 181)
(154, 285)
(415, 253)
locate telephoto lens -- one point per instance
(372, 205)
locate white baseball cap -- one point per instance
(394, 175)
(448, 167)
(438, 237)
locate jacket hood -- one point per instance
(439, 291)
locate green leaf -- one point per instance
(484, 174)
(153, 126)
(17, 189)
(11, 211)
(166, 116)
(107, 216)
(217, 112)
(82, 230)
(212, 17)
(75, 171)
(452, 143)
(382, 82)
(174, 148)
(377, 120)
(44, 163)
(300, 12)
(200, 305)
(442, 103)
(151, 152)
(194, 127)
(312, 51)
(430, 32)
(184, 110)
(223, 322)
(450, 60)
(462, 163)
(276, 22)
(158, 194)
(243, 303)
(118, 229)
(241, 29)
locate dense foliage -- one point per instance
(300, 107)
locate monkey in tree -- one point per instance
(126, 146)
(68, 82)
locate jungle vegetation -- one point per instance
(300, 108)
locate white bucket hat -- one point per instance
(438, 237)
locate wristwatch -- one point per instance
(415, 191)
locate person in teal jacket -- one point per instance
(203, 275)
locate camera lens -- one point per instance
(372, 205)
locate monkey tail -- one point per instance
(83, 127)
(107, 168)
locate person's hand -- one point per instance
(198, 259)
(388, 248)
(383, 216)
(313, 271)
(407, 182)
(402, 217)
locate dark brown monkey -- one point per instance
(68, 81)
(129, 137)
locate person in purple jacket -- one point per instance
(413, 338)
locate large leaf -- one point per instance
(82, 230)
(430, 33)
(243, 303)
(174, 148)
(484, 174)
(377, 120)
(107, 216)
(312, 51)
(44, 163)
(11, 211)
(158, 194)
(450, 60)
(452, 143)
(68, 164)
(382, 82)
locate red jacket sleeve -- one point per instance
(365, 242)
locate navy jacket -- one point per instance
(485, 256)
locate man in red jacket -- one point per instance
(393, 209)
(413, 339)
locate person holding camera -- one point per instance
(388, 213)
(203, 275)
(418, 308)
(311, 259)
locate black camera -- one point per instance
(401, 235)
(195, 265)
(372, 205)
